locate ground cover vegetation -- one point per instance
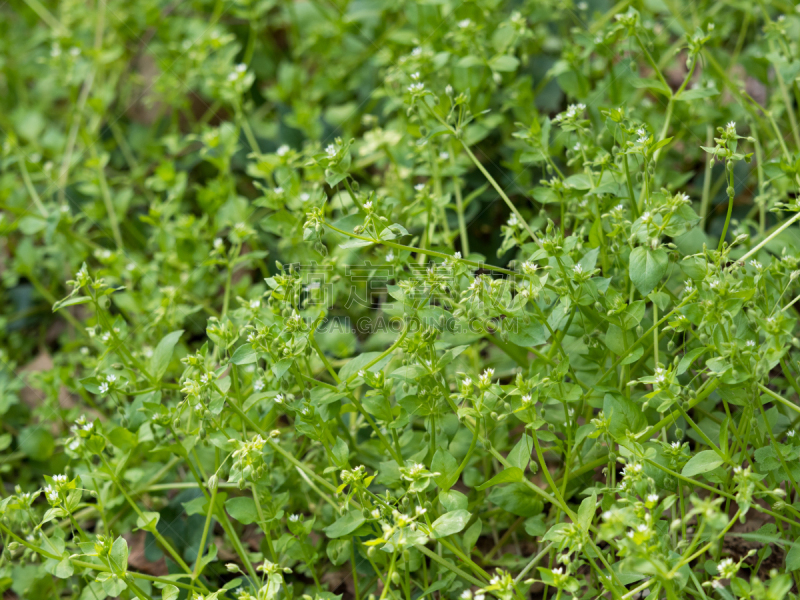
(378, 300)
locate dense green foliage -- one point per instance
(389, 299)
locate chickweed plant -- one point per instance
(396, 300)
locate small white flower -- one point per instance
(103, 387)
(457, 255)
(258, 385)
(444, 155)
(255, 304)
(512, 221)
(464, 23)
(278, 190)
(376, 514)
(368, 205)
(578, 269)
(558, 571)
(331, 150)
(416, 51)
(652, 498)
(279, 399)
(282, 150)
(389, 256)
(416, 87)
(111, 378)
(294, 518)
(751, 343)
(415, 76)
(305, 196)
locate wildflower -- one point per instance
(103, 387)
(258, 385)
(416, 87)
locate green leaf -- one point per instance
(510, 475)
(793, 556)
(586, 511)
(341, 452)
(702, 462)
(119, 554)
(243, 509)
(520, 454)
(650, 84)
(170, 592)
(535, 526)
(647, 267)
(623, 414)
(149, 521)
(360, 362)
(450, 523)
(702, 92)
(163, 353)
(689, 358)
(244, 355)
(518, 499)
(72, 301)
(472, 534)
(504, 63)
(36, 443)
(444, 463)
(453, 500)
(345, 525)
